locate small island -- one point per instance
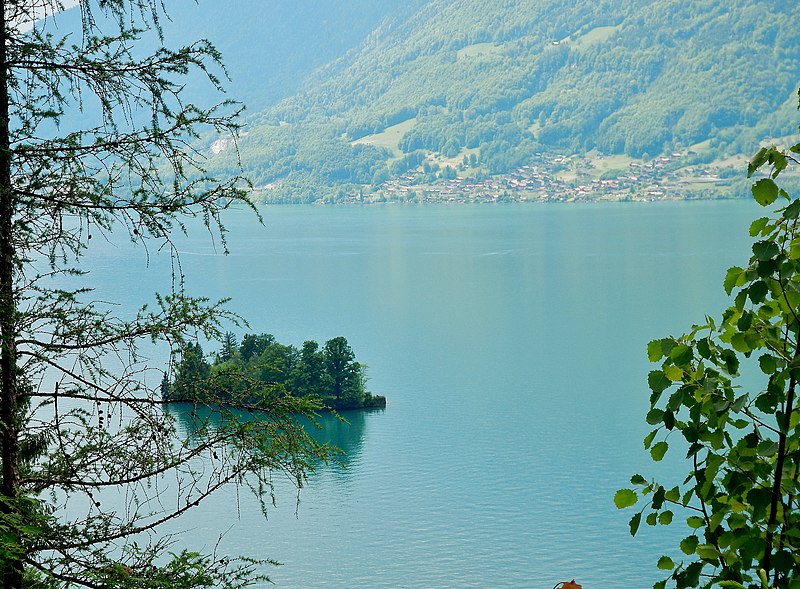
(329, 373)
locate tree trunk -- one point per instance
(9, 442)
(777, 493)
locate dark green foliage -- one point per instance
(309, 375)
(229, 347)
(741, 496)
(192, 374)
(254, 345)
(262, 366)
(345, 373)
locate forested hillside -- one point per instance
(486, 85)
(269, 48)
(371, 99)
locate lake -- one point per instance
(510, 343)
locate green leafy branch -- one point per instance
(739, 498)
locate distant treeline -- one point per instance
(261, 366)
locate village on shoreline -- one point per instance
(547, 178)
(559, 178)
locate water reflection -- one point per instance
(345, 431)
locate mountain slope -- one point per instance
(268, 48)
(505, 80)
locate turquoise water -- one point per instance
(510, 342)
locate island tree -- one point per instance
(81, 422)
(345, 373)
(741, 496)
(330, 375)
(309, 375)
